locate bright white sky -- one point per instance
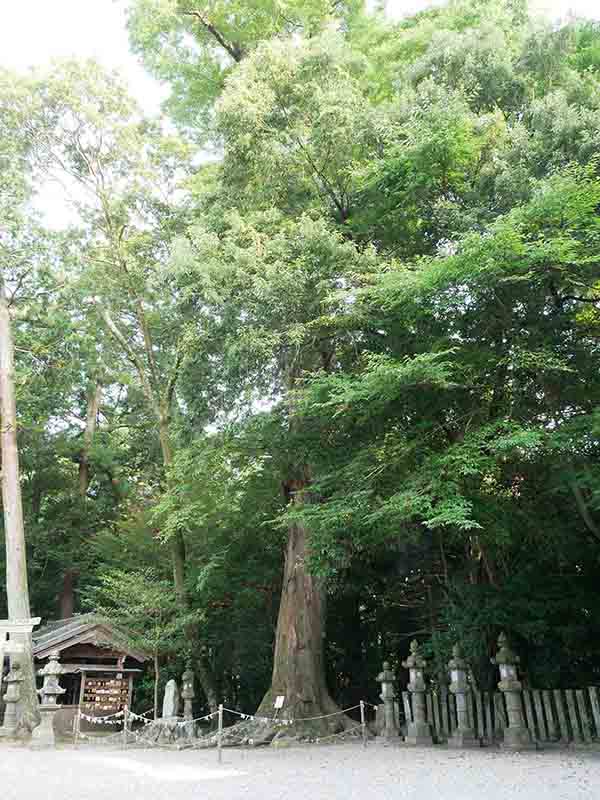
(32, 32)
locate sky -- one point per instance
(33, 32)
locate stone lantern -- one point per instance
(418, 731)
(13, 681)
(388, 695)
(188, 694)
(516, 736)
(464, 735)
(43, 735)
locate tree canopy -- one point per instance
(356, 348)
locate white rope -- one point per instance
(179, 723)
(109, 719)
(292, 720)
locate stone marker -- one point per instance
(43, 735)
(516, 735)
(171, 700)
(418, 731)
(388, 695)
(464, 735)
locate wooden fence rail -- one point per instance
(558, 716)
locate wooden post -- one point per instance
(125, 722)
(407, 707)
(593, 693)
(480, 725)
(529, 712)
(77, 725)
(553, 732)
(82, 688)
(562, 718)
(570, 695)
(586, 726)
(220, 734)
(489, 725)
(436, 719)
(445, 713)
(537, 699)
(363, 723)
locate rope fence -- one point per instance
(129, 737)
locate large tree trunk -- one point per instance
(66, 596)
(91, 418)
(299, 664)
(17, 588)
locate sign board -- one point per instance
(279, 701)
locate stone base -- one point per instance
(464, 739)
(43, 736)
(389, 740)
(418, 734)
(517, 739)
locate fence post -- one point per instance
(363, 724)
(77, 726)
(220, 734)
(125, 721)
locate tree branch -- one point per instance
(133, 357)
(234, 49)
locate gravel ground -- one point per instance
(318, 772)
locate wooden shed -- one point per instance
(99, 666)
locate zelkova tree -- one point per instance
(266, 284)
(124, 175)
(267, 289)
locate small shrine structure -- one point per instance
(98, 663)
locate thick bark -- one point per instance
(156, 679)
(177, 541)
(66, 597)
(17, 588)
(299, 664)
(88, 436)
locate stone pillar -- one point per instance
(516, 736)
(464, 735)
(388, 695)
(13, 681)
(43, 735)
(418, 731)
(188, 694)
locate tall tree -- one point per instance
(14, 191)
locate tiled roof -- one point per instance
(65, 632)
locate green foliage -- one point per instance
(385, 284)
